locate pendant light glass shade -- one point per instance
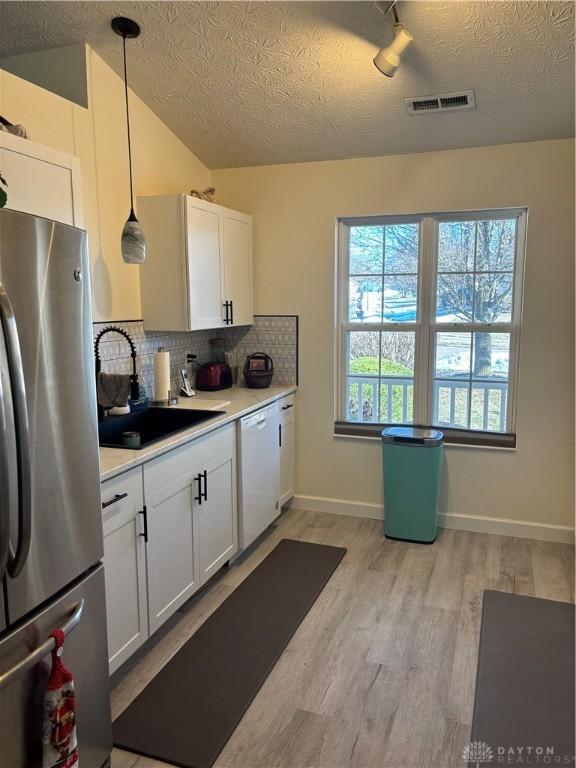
(133, 242)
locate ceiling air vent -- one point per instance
(443, 102)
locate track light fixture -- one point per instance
(387, 60)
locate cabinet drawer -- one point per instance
(221, 441)
(286, 407)
(169, 468)
(188, 459)
(121, 496)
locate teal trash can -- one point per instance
(412, 460)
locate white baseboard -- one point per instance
(500, 526)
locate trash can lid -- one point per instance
(428, 438)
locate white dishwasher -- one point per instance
(259, 473)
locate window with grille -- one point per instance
(429, 312)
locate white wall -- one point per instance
(97, 135)
(295, 208)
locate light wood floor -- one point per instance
(381, 672)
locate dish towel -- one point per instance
(59, 743)
(113, 389)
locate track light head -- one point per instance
(387, 60)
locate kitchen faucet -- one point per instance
(134, 385)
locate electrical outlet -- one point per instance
(190, 357)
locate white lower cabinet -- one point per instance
(124, 565)
(217, 509)
(287, 449)
(170, 525)
(170, 484)
(191, 508)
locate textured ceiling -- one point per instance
(246, 83)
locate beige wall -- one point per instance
(295, 208)
(162, 164)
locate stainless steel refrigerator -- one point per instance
(51, 544)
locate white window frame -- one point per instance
(426, 327)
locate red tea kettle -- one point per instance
(213, 376)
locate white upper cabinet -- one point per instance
(237, 260)
(204, 268)
(198, 269)
(41, 181)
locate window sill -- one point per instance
(457, 438)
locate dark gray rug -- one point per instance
(524, 705)
(188, 712)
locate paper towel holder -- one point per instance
(169, 400)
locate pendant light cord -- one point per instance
(128, 127)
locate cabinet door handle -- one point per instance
(144, 512)
(198, 479)
(280, 435)
(231, 313)
(286, 407)
(116, 498)
(205, 476)
(226, 306)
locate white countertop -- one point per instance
(236, 402)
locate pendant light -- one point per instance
(133, 242)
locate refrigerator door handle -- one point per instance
(4, 483)
(16, 560)
(43, 650)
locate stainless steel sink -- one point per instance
(152, 424)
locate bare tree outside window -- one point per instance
(475, 279)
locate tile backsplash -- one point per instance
(277, 335)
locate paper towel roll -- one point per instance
(161, 374)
